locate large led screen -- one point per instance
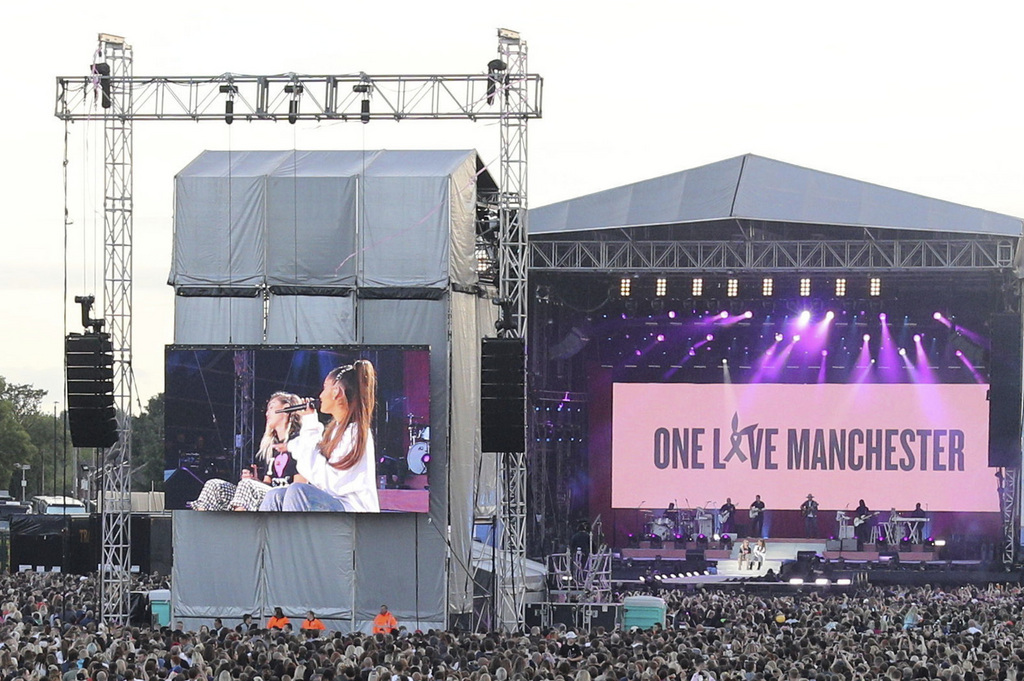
(892, 445)
(241, 434)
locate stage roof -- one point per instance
(752, 187)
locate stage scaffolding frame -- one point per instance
(848, 255)
(293, 97)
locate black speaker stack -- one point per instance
(90, 374)
(503, 395)
(1004, 395)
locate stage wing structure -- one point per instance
(339, 247)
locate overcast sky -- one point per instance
(919, 96)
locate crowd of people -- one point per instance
(50, 631)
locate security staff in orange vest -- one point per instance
(278, 619)
(385, 622)
(311, 626)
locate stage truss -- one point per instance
(294, 97)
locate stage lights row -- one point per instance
(733, 287)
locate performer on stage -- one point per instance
(760, 551)
(862, 524)
(809, 510)
(744, 554)
(275, 466)
(757, 517)
(339, 461)
(727, 517)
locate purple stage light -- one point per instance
(724, 314)
(882, 316)
(903, 352)
(661, 337)
(917, 338)
(937, 316)
(867, 337)
(638, 353)
(959, 353)
(748, 314)
(671, 314)
(830, 315)
(824, 353)
(805, 317)
(796, 338)
(710, 337)
(778, 338)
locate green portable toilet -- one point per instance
(160, 605)
(643, 611)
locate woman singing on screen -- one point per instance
(338, 463)
(275, 466)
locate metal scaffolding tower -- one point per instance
(506, 93)
(116, 60)
(512, 286)
(244, 411)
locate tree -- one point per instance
(23, 398)
(15, 444)
(148, 446)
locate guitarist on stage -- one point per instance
(757, 517)
(809, 510)
(727, 517)
(862, 524)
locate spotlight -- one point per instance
(937, 316)
(724, 314)
(874, 287)
(625, 287)
(732, 287)
(671, 314)
(661, 286)
(661, 337)
(940, 542)
(805, 317)
(903, 352)
(805, 287)
(830, 315)
(821, 581)
(867, 337)
(748, 314)
(840, 287)
(710, 337)
(917, 338)
(778, 338)
(796, 338)
(843, 581)
(796, 581)
(697, 287)
(767, 287)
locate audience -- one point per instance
(49, 631)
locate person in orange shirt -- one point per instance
(311, 626)
(278, 620)
(385, 622)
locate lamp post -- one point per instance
(23, 467)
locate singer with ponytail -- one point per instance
(337, 463)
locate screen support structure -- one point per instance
(243, 411)
(292, 97)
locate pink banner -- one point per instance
(891, 445)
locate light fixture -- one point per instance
(875, 287)
(840, 287)
(844, 581)
(697, 287)
(625, 287)
(661, 286)
(732, 287)
(796, 581)
(767, 287)
(805, 287)
(821, 581)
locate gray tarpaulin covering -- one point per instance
(326, 219)
(758, 188)
(355, 248)
(311, 320)
(207, 320)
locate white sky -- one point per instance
(920, 96)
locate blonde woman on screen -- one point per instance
(337, 462)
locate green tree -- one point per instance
(148, 446)
(15, 446)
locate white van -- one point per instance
(58, 506)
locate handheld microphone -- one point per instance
(308, 404)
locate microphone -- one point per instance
(308, 404)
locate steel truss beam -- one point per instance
(115, 575)
(293, 97)
(803, 256)
(1009, 497)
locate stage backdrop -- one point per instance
(891, 445)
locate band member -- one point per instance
(862, 524)
(809, 510)
(757, 517)
(727, 516)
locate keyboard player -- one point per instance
(911, 524)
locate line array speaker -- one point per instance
(503, 395)
(1004, 395)
(90, 368)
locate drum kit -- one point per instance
(418, 455)
(683, 523)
